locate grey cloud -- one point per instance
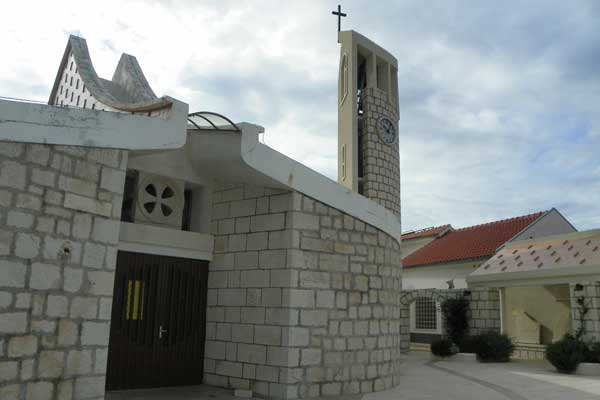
(499, 100)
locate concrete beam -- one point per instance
(40, 123)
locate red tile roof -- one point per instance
(472, 242)
(433, 231)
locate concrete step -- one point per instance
(425, 347)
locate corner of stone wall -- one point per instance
(59, 212)
(591, 295)
(302, 298)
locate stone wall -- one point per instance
(59, 228)
(303, 299)
(381, 162)
(484, 309)
(591, 296)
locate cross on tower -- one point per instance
(339, 14)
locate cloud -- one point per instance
(499, 101)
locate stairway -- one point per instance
(424, 347)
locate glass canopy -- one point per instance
(206, 120)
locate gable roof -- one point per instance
(550, 259)
(426, 232)
(127, 91)
(472, 242)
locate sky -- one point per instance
(499, 101)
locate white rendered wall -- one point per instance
(553, 223)
(436, 276)
(71, 90)
(549, 306)
(411, 245)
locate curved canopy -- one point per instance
(206, 120)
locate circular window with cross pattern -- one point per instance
(159, 200)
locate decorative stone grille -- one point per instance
(159, 200)
(425, 313)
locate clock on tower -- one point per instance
(368, 113)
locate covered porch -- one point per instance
(548, 286)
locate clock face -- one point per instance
(387, 131)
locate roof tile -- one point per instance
(471, 242)
(433, 231)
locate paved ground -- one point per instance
(443, 380)
(517, 380)
(174, 393)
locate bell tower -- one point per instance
(368, 114)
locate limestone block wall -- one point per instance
(59, 228)
(303, 300)
(591, 296)
(381, 162)
(484, 309)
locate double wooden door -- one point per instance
(158, 322)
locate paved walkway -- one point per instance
(456, 380)
(423, 379)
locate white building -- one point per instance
(437, 258)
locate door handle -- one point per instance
(161, 331)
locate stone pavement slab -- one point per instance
(201, 392)
(530, 380)
(427, 379)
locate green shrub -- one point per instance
(443, 348)
(493, 347)
(566, 354)
(457, 322)
(467, 345)
(592, 352)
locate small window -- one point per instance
(72, 96)
(66, 93)
(61, 89)
(71, 82)
(56, 100)
(77, 100)
(62, 102)
(84, 102)
(187, 210)
(77, 84)
(127, 208)
(83, 88)
(425, 314)
(94, 106)
(66, 78)
(344, 79)
(344, 162)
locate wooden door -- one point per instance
(158, 322)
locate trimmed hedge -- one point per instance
(592, 352)
(443, 348)
(566, 354)
(468, 344)
(493, 347)
(456, 315)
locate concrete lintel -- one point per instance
(40, 123)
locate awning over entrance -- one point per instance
(566, 258)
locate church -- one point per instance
(143, 245)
